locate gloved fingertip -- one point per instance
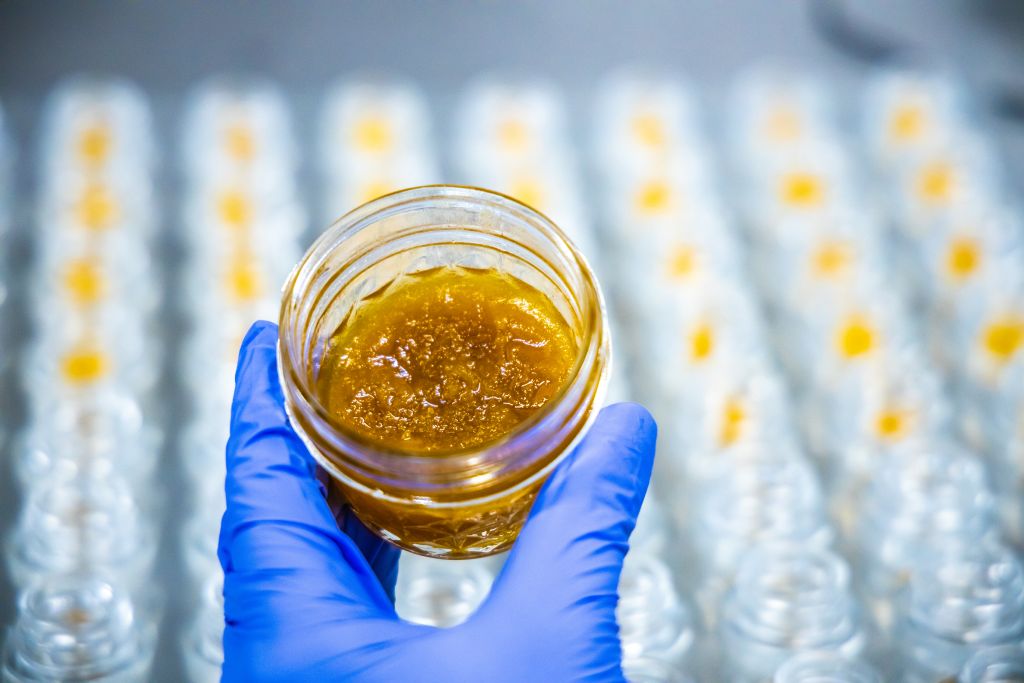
(629, 419)
(597, 492)
(583, 516)
(258, 403)
(261, 334)
(616, 455)
(260, 331)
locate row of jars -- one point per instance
(914, 507)
(841, 329)
(961, 242)
(83, 548)
(962, 237)
(243, 225)
(700, 360)
(512, 136)
(376, 137)
(774, 498)
(729, 466)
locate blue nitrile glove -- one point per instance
(307, 601)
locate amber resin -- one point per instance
(446, 360)
(440, 362)
(466, 531)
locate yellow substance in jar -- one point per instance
(445, 360)
(831, 259)
(513, 135)
(963, 258)
(375, 189)
(84, 281)
(783, 125)
(84, 365)
(702, 343)
(243, 281)
(856, 338)
(649, 130)
(734, 417)
(97, 208)
(529, 191)
(1004, 337)
(907, 123)
(682, 262)
(802, 190)
(654, 197)
(892, 424)
(937, 182)
(234, 209)
(94, 145)
(373, 134)
(240, 143)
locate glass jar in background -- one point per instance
(78, 628)
(995, 664)
(89, 524)
(787, 599)
(441, 594)
(460, 504)
(202, 645)
(814, 667)
(654, 622)
(960, 601)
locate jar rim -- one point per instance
(361, 217)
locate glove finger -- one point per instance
(569, 554)
(277, 519)
(381, 555)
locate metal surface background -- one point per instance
(167, 46)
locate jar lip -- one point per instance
(352, 222)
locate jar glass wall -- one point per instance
(457, 504)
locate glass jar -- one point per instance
(788, 598)
(441, 594)
(654, 623)
(959, 601)
(78, 627)
(995, 664)
(203, 643)
(460, 504)
(812, 667)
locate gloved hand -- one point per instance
(306, 600)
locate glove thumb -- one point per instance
(565, 566)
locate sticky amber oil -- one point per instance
(441, 361)
(445, 360)
(443, 396)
